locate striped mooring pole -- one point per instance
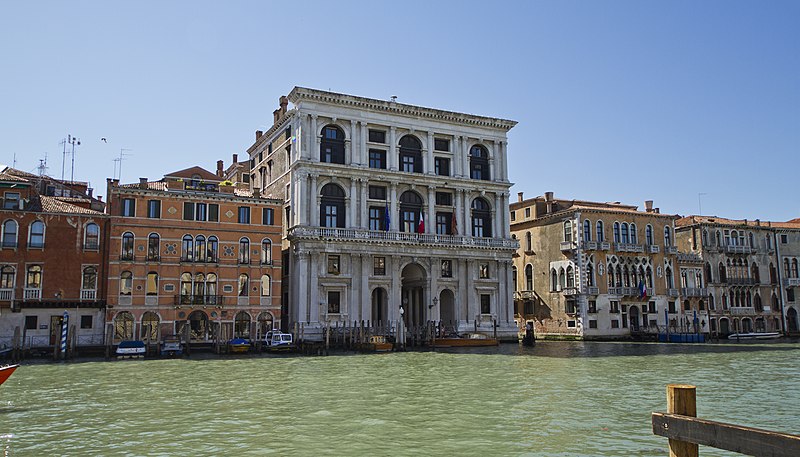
(64, 325)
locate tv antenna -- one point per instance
(42, 168)
(123, 154)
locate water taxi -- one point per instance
(377, 343)
(754, 336)
(275, 340)
(6, 371)
(470, 339)
(172, 347)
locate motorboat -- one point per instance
(275, 340)
(377, 343)
(469, 339)
(6, 371)
(754, 336)
(171, 347)
(239, 345)
(131, 348)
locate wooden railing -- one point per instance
(686, 432)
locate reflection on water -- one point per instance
(565, 399)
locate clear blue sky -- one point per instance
(616, 100)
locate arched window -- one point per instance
(562, 279)
(649, 278)
(91, 237)
(127, 246)
(265, 286)
(759, 307)
(199, 288)
(331, 208)
(153, 246)
(200, 253)
(625, 238)
(670, 279)
(10, 234)
(754, 274)
(648, 235)
(773, 274)
(481, 218)
(568, 231)
(718, 238)
(616, 232)
(150, 324)
(186, 288)
(410, 211)
(125, 283)
(151, 287)
(7, 277)
(600, 232)
(723, 277)
(570, 276)
(528, 277)
(553, 280)
(244, 250)
(587, 230)
(479, 163)
(752, 240)
(187, 249)
(634, 235)
(34, 277)
(410, 154)
(786, 270)
(528, 242)
(211, 289)
(241, 325)
(667, 236)
(244, 284)
(36, 235)
(89, 280)
(331, 147)
(794, 268)
(266, 252)
(705, 237)
(213, 246)
(589, 275)
(514, 276)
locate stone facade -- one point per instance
(393, 212)
(581, 267)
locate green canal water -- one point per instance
(556, 399)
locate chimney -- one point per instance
(219, 168)
(758, 222)
(276, 115)
(99, 198)
(256, 193)
(519, 196)
(657, 210)
(258, 134)
(284, 102)
(142, 183)
(235, 159)
(90, 191)
(648, 206)
(548, 198)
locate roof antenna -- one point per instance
(394, 98)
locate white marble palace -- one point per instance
(392, 211)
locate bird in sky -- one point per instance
(103, 140)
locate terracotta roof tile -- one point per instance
(57, 205)
(151, 185)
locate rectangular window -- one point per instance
(671, 307)
(527, 212)
(615, 323)
(11, 200)
(652, 306)
(513, 215)
(571, 307)
(615, 307)
(188, 211)
(447, 269)
(570, 324)
(31, 322)
(334, 302)
(377, 136)
(444, 199)
(486, 304)
(377, 218)
(592, 306)
(790, 294)
(443, 223)
(441, 166)
(408, 163)
(784, 239)
(483, 271)
(200, 212)
(244, 214)
(377, 159)
(440, 144)
(128, 207)
(379, 266)
(592, 323)
(86, 322)
(377, 193)
(333, 265)
(267, 216)
(213, 212)
(154, 209)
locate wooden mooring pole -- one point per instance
(682, 399)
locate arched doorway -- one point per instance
(265, 322)
(150, 322)
(747, 325)
(413, 297)
(379, 305)
(198, 325)
(241, 325)
(447, 310)
(123, 326)
(634, 317)
(791, 320)
(724, 327)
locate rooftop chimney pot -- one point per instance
(142, 183)
(519, 196)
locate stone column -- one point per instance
(362, 145)
(458, 209)
(313, 286)
(465, 157)
(508, 293)
(435, 313)
(392, 159)
(430, 217)
(394, 298)
(506, 216)
(366, 271)
(472, 306)
(351, 219)
(456, 163)
(497, 217)
(363, 205)
(313, 202)
(314, 140)
(429, 168)
(466, 213)
(394, 216)
(355, 151)
(301, 270)
(500, 161)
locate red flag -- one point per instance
(421, 226)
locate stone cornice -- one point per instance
(299, 94)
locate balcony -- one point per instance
(33, 294)
(741, 281)
(694, 292)
(625, 291)
(627, 247)
(193, 300)
(672, 292)
(127, 257)
(605, 245)
(685, 257)
(590, 245)
(787, 282)
(88, 294)
(738, 310)
(6, 294)
(731, 249)
(152, 258)
(524, 295)
(405, 238)
(592, 290)
(653, 248)
(567, 245)
(670, 249)
(570, 291)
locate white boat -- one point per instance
(754, 336)
(131, 349)
(275, 340)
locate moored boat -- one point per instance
(754, 336)
(277, 341)
(377, 343)
(131, 348)
(471, 339)
(6, 371)
(239, 345)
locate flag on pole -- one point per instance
(386, 217)
(421, 226)
(642, 290)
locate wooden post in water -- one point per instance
(682, 399)
(187, 337)
(73, 342)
